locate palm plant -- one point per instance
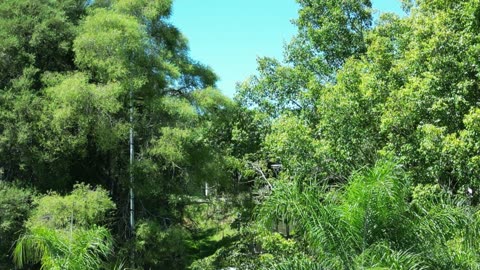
(446, 229)
(377, 220)
(347, 228)
(60, 235)
(58, 249)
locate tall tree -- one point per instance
(406, 88)
(64, 103)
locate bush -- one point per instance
(63, 232)
(15, 205)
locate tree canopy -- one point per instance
(358, 150)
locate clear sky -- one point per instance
(228, 35)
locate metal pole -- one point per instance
(131, 195)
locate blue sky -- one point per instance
(228, 35)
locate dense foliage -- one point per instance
(68, 69)
(358, 151)
(66, 232)
(353, 95)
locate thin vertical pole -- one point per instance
(131, 195)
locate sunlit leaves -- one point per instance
(276, 89)
(64, 232)
(148, 9)
(291, 142)
(109, 44)
(28, 39)
(88, 207)
(376, 220)
(335, 29)
(57, 250)
(171, 144)
(76, 109)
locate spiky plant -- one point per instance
(62, 231)
(378, 220)
(342, 227)
(60, 249)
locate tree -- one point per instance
(405, 88)
(65, 104)
(66, 232)
(329, 32)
